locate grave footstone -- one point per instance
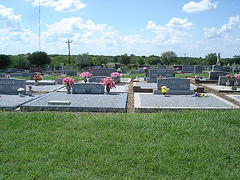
(11, 86)
(87, 88)
(177, 86)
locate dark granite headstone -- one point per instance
(215, 75)
(188, 69)
(71, 73)
(36, 69)
(123, 69)
(177, 86)
(198, 69)
(11, 86)
(103, 71)
(87, 88)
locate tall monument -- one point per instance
(218, 60)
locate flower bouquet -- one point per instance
(116, 76)
(7, 76)
(68, 82)
(146, 70)
(109, 83)
(229, 77)
(20, 91)
(84, 76)
(164, 90)
(37, 78)
(30, 92)
(200, 95)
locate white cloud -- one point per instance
(179, 23)
(215, 32)
(203, 5)
(61, 5)
(11, 22)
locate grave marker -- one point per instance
(11, 86)
(188, 69)
(215, 75)
(87, 88)
(198, 69)
(177, 86)
(103, 71)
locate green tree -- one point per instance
(211, 58)
(83, 60)
(5, 61)
(20, 62)
(168, 57)
(39, 58)
(140, 61)
(125, 59)
(153, 60)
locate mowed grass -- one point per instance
(164, 145)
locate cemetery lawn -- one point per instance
(164, 145)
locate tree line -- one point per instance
(169, 58)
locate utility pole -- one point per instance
(69, 42)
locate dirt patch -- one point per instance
(130, 99)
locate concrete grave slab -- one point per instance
(235, 97)
(221, 88)
(46, 88)
(113, 102)
(149, 102)
(11, 102)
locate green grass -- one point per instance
(165, 145)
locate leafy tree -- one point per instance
(83, 60)
(168, 57)
(152, 60)
(125, 59)
(99, 61)
(140, 61)
(211, 58)
(5, 61)
(39, 58)
(20, 62)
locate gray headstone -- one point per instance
(96, 79)
(222, 81)
(188, 69)
(25, 74)
(177, 86)
(198, 69)
(11, 86)
(216, 68)
(71, 68)
(71, 73)
(103, 71)
(16, 74)
(123, 69)
(11, 70)
(87, 88)
(160, 66)
(3, 74)
(215, 75)
(226, 69)
(1, 70)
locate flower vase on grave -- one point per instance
(36, 83)
(146, 73)
(236, 83)
(30, 93)
(68, 89)
(85, 80)
(107, 89)
(228, 83)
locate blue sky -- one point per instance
(115, 27)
